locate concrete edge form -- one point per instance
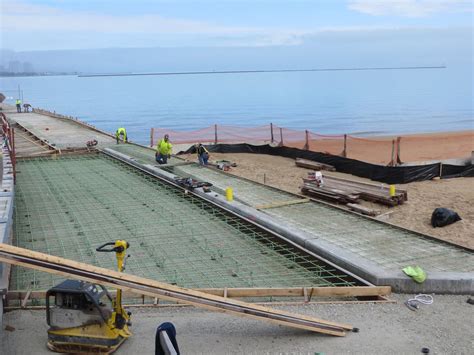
(437, 282)
(7, 194)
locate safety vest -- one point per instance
(18, 102)
(121, 131)
(164, 147)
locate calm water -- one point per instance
(371, 102)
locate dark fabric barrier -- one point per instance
(386, 174)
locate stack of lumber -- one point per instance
(309, 164)
(345, 191)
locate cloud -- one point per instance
(18, 18)
(409, 8)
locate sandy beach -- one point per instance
(415, 214)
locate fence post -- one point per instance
(399, 161)
(344, 152)
(215, 134)
(271, 131)
(281, 137)
(392, 160)
(152, 133)
(306, 144)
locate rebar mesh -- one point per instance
(390, 248)
(387, 246)
(69, 206)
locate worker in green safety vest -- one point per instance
(18, 105)
(121, 132)
(163, 150)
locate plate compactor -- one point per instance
(84, 318)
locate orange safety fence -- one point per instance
(379, 150)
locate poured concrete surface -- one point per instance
(62, 133)
(444, 327)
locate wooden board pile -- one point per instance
(309, 164)
(345, 191)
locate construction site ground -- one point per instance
(445, 327)
(390, 328)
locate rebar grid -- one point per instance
(142, 154)
(387, 246)
(245, 191)
(69, 206)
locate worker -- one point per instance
(163, 150)
(18, 105)
(202, 153)
(121, 132)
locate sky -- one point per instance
(86, 24)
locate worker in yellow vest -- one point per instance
(163, 150)
(18, 105)
(121, 132)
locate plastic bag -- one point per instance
(442, 217)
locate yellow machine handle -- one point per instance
(120, 248)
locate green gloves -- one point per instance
(416, 273)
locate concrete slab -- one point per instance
(62, 133)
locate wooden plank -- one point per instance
(314, 165)
(280, 303)
(139, 285)
(25, 299)
(349, 291)
(281, 204)
(362, 209)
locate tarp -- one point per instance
(385, 174)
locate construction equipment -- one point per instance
(80, 320)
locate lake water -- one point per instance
(367, 102)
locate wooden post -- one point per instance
(392, 160)
(399, 161)
(306, 144)
(271, 132)
(215, 134)
(152, 133)
(344, 152)
(281, 137)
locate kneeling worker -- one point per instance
(121, 132)
(163, 150)
(203, 154)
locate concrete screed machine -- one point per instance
(84, 318)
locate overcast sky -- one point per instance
(84, 24)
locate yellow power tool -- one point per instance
(84, 318)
